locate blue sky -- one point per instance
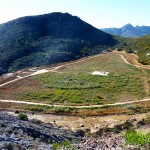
(99, 13)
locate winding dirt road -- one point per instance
(65, 106)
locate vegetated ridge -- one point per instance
(47, 39)
(129, 31)
(140, 46)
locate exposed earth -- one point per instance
(31, 134)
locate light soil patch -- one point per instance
(76, 123)
(100, 73)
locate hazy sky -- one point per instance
(99, 13)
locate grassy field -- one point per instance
(74, 84)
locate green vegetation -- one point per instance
(93, 90)
(50, 109)
(23, 117)
(133, 137)
(76, 85)
(143, 47)
(140, 45)
(43, 40)
(64, 145)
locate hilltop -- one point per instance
(47, 39)
(129, 31)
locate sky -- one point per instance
(99, 13)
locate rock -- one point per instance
(133, 120)
(132, 147)
(141, 122)
(117, 128)
(81, 125)
(31, 134)
(80, 133)
(127, 125)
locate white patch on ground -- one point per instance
(40, 72)
(100, 73)
(7, 76)
(148, 54)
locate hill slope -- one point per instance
(129, 31)
(139, 45)
(46, 39)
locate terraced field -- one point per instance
(74, 84)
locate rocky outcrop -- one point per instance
(35, 135)
(30, 134)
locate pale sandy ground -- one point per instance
(92, 123)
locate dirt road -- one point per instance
(65, 106)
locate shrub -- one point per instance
(127, 125)
(133, 137)
(23, 117)
(64, 145)
(16, 111)
(36, 121)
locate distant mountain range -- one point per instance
(47, 39)
(129, 31)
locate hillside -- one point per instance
(47, 39)
(129, 31)
(65, 97)
(139, 45)
(75, 84)
(142, 45)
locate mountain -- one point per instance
(47, 39)
(129, 31)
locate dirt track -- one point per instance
(90, 106)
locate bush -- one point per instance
(64, 145)
(127, 125)
(23, 117)
(133, 137)
(16, 111)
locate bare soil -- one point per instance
(91, 124)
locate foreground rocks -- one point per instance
(24, 134)
(106, 142)
(16, 134)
